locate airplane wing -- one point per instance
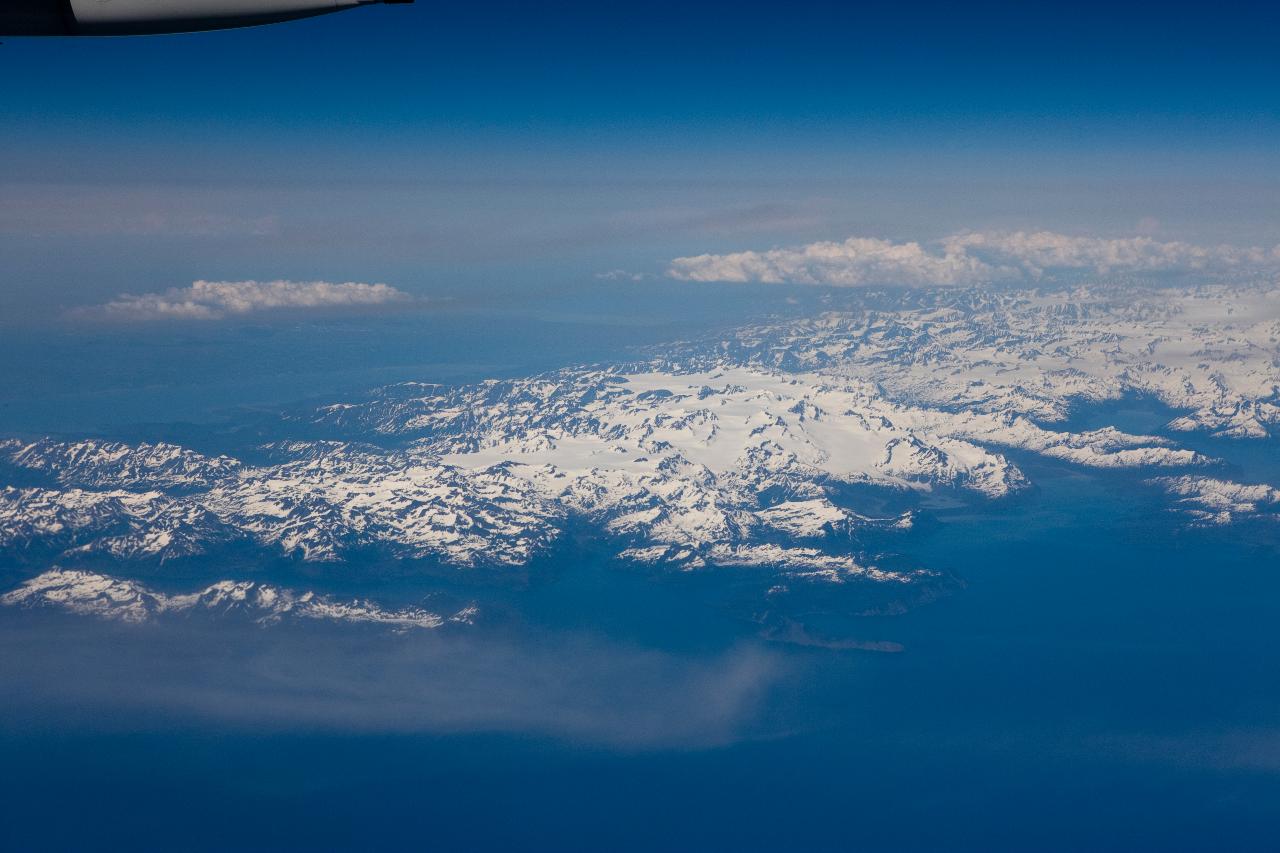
(144, 17)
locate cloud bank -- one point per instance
(216, 300)
(857, 261)
(973, 258)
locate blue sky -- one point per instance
(501, 149)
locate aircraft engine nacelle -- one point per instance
(139, 17)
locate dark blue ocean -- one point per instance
(1097, 677)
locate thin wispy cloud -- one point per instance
(622, 275)
(572, 686)
(1041, 252)
(972, 258)
(217, 300)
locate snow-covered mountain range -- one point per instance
(91, 593)
(740, 451)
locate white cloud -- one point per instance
(215, 300)
(971, 258)
(855, 262)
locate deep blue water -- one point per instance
(1103, 679)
